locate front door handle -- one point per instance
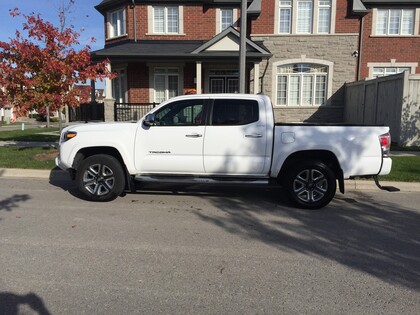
(254, 135)
(194, 135)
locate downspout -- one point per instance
(134, 20)
(359, 60)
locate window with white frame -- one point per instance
(305, 16)
(324, 16)
(166, 83)
(395, 22)
(166, 20)
(384, 71)
(116, 23)
(285, 25)
(301, 84)
(119, 86)
(226, 18)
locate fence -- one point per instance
(87, 112)
(392, 101)
(131, 111)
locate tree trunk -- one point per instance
(48, 116)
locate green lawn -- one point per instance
(404, 169)
(36, 134)
(32, 158)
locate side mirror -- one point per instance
(149, 120)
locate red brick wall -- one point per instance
(264, 24)
(345, 23)
(383, 49)
(199, 24)
(138, 85)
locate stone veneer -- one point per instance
(336, 49)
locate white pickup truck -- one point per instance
(222, 138)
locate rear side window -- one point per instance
(228, 112)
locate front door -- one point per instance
(175, 143)
(224, 81)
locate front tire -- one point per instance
(100, 178)
(311, 185)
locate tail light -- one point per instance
(385, 141)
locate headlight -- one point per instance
(68, 135)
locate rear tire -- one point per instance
(311, 184)
(100, 178)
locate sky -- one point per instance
(87, 21)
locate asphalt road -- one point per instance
(224, 251)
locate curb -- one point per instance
(370, 185)
(32, 173)
(59, 174)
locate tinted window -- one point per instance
(234, 112)
(181, 113)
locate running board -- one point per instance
(387, 188)
(201, 180)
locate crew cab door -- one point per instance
(174, 144)
(236, 138)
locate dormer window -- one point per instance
(116, 23)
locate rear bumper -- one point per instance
(386, 166)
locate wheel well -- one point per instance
(86, 152)
(324, 156)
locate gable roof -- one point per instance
(166, 50)
(224, 45)
(230, 34)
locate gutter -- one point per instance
(134, 19)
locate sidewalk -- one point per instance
(28, 144)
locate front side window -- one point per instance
(166, 82)
(181, 113)
(116, 23)
(229, 112)
(301, 84)
(395, 22)
(165, 20)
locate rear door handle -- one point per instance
(194, 135)
(254, 135)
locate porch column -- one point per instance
(198, 77)
(108, 84)
(108, 101)
(256, 77)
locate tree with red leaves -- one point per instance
(39, 70)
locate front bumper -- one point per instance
(60, 164)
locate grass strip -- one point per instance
(404, 169)
(27, 158)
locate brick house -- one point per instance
(299, 52)
(390, 42)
